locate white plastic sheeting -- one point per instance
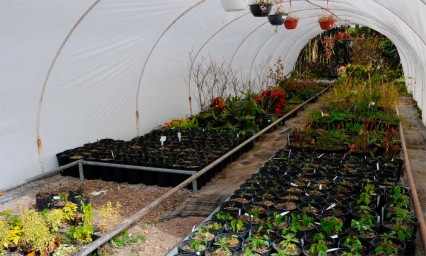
(74, 71)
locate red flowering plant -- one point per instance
(217, 104)
(272, 101)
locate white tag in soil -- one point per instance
(179, 135)
(291, 183)
(321, 155)
(378, 168)
(56, 197)
(239, 212)
(112, 154)
(283, 213)
(331, 207)
(335, 177)
(332, 249)
(163, 139)
(335, 236)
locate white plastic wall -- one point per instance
(74, 71)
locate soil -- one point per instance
(163, 229)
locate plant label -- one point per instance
(291, 183)
(331, 206)
(56, 197)
(239, 212)
(193, 228)
(179, 135)
(320, 187)
(163, 139)
(321, 155)
(112, 154)
(283, 213)
(332, 249)
(378, 168)
(335, 177)
(334, 237)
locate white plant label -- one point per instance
(309, 184)
(283, 213)
(321, 155)
(332, 249)
(193, 228)
(112, 154)
(239, 212)
(320, 188)
(378, 168)
(56, 197)
(291, 183)
(335, 177)
(306, 194)
(179, 135)
(289, 153)
(163, 139)
(378, 219)
(331, 206)
(335, 236)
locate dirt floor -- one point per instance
(164, 227)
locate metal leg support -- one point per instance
(80, 170)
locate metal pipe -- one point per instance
(138, 215)
(416, 202)
(6, 198)
(136, 167)
(80, 170)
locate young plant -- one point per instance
(36, 235)
(387, 246)
(354, 245)
(109, 216)
(331, 225)
(257, 242)
(198, 245)
(237, 225)
(83, 232)
(319, 247)
(288, 246)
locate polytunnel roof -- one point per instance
(77, 71)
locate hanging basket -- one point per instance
(260, 10)
(234, 5)
(276, 19)
(291, 22)
(327, 22)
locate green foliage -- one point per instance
(257, 241)
(125, 239)
(331, 224)
(36, 235)
(54, 219)
(237, 225)
(64, 250)
(83, 231)
(319, 247)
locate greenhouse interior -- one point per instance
(269, 127)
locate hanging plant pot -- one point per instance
(234, 5)
(291, 22)
(276, 19)
(260, 10)
(327, 22)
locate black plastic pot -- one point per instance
(257, 11)
(43, 201)
(276, 19)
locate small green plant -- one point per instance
(126, 239)
(257, 242)
(223, 216)
(354, 245)
(319, 247)
(83, 231)
(331, 225)
(69, 210)
(237, 225)
(109, 216)
(363, 225)
(288, 246)
(54, 219)
(366, 194)
(198, 245)
(387, 246)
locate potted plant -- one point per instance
(234, 5)
(291, 22)
(319, 247)
(36, 236)
(327, 22)
(83, 231)
(258, 243)
(261, 8)
(276, 19)
(288, 245)
(195, 246)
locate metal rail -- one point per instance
(142, 168)
(138, 215)
(416, 202)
